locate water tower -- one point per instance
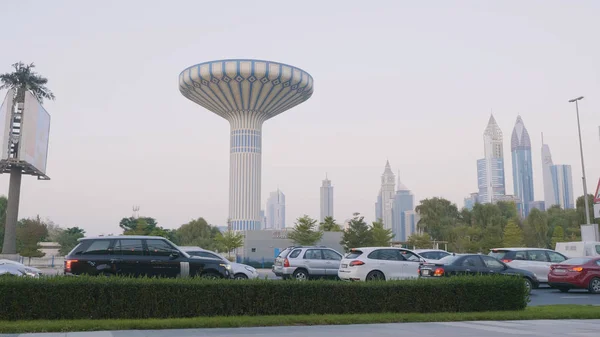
(246, 93)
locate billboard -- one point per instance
(5, 115)
(35, 132)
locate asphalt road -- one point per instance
(544, 328)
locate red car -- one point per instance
(576, 273)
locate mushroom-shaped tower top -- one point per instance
(233, 87)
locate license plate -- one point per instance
(560, 271)
(425, 272)
(344, 266)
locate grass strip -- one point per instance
(539, 312)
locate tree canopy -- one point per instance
(305, 232)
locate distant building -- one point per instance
(490, 169)
(471, 200)
(537, 204)
(403, 202)
(263, 219)
(276, 210)
(520, 145)
(549, 197)
(411, 220)
(562, 183)
(383, 207)
(326, 199)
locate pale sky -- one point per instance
(409, 81)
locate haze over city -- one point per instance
(412, 83)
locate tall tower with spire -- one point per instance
(404, 201)
(520, 148)
(386, 193)
(490, 169)
(326, 199)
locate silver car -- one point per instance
(8, 267)
(303, 263)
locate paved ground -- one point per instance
(545, 328)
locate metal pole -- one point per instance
(585, 194)
(12, 212)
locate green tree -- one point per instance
(419, 241)
(536, 229)
(580, 206)
(357, 235)
(199, 233)
(138, 226)
(513, 235)
(329, 225)
(558, 235)
(30, 232)
(68, 239)
(380, 236)
(305, 232)
(438, 217)
(22, 80)
(231, 240)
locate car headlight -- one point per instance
(250, 269)
(226, 266)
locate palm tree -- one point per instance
(22, 79)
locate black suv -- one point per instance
(139, 256)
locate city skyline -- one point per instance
(421, 103)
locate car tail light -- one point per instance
(286, 262)
(577, 269)
(506, 260)
(356, 263)
(438, 272)
(68, 264)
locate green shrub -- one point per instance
(113, 297)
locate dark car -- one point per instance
(139, 256)
(474, 264)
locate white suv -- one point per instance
(535, 260)
(379, 263)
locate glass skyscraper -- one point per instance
(490, 169)
(562, 184)
(520, 147)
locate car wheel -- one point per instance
(240, 276)
(301, 275)
(210, 276)
(375, 276)
(528, 285)
(563, 290)
(595, 286)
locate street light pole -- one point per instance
(585, 194)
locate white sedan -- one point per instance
(9, 267)
(379, 263)
(240, 271)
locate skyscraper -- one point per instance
(490, 169)
(562, 184)
(276, 210)
(403, 202)
(520, 147)
(326, 199)
(386, 197)
(549, 197)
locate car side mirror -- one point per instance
(422, 260)
(174, 254)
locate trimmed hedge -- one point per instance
(126, 298)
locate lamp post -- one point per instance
(585, 197)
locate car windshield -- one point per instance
(353, 254)
(498, 254)
(284, 253)
(448, 259)
(576, 261)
